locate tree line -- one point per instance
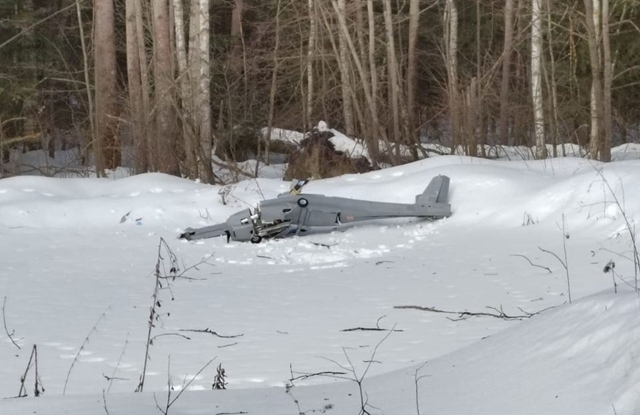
(176, 85)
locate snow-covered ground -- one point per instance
(79, 254)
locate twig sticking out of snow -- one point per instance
(38, 388)
(4, 322)
(532, 264)
(82, 346)
(170, 402)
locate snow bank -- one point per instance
(74, 248)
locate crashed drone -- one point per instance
(296, 213)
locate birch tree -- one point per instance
(204, 93)
(536, 78)
(451, 62)
(605, 153)
(592, 17)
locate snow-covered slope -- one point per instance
(78, 257)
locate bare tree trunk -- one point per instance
(163, 79)
(345, 77)
(92, 119)
(373, 72)
(591, 16)
(150, 146)
(105, 148)
(412, 67)
(393, 74)
(236, 17)
(237, 31)
(370, 98)
(135, 89)
(605, 152)
(204, 95)
(451, 57)
(553, 87)
(193, 61)
(311, 51)
(475, 89)
(506, 71)
(274, 84)
(536, 79)
(471, 110)
(188, 134)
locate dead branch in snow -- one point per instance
(464, 315)
(376, 328)
(532, 264)
(213, 333)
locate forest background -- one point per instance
(176, 86)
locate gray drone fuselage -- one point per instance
(299, 214)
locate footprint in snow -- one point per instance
(65, 348)
(91, 359)
(134, 194)
(67, 356)
(156, 190)
(28, 190)
(47, 194)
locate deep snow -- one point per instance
(69, 257)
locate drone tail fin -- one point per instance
(435, 198)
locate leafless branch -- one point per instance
(376, 328)
(213, 333)
(464, 315)
(532, 264)
(4, 322)
(82, 346)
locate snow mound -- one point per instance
(574, 360)
(577, 359)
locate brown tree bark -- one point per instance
(184, 80)
(412, 67)
(137, 117)
(106, 148)
(150, 145)
(343, 59)
(165, 117)
(506, 71)
(311, 51)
